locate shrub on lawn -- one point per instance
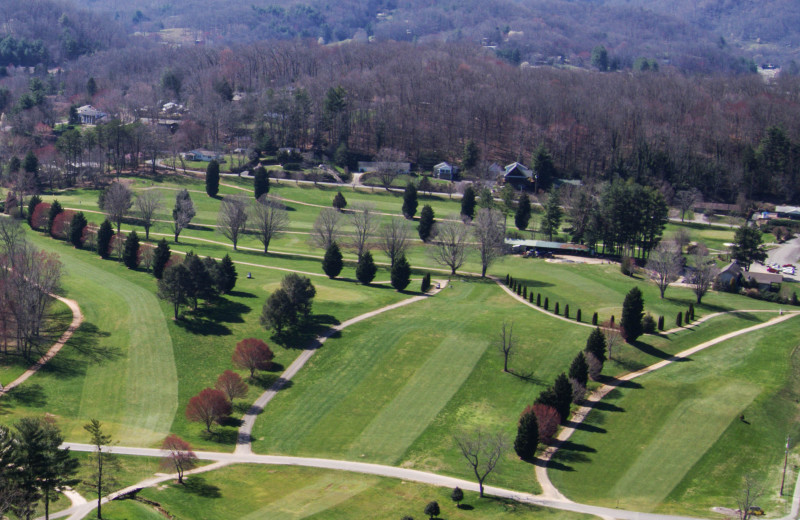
(679, 319)
(566, 311)
(578, 315)
(538, 300)
(546, 303)
(661, 323)
(648, 324)
(594, 319)
(426, 283)
(557, 309)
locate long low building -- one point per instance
(566, 248)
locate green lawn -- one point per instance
(685, 421)
(286, 493)
(135, 369)
(602, 288)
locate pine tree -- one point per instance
(366, 269)
(104, 235)
(468, 203)
(594, 319)
(332, 261)
(401, 274)
(557, 309)
(566, 311)
(546, 303)
(160, 258)
(578, 315)
(55, 209)
(691, 311)
(563, 389)
(523, 215)
(527, 439)
(130, 257)
(596, 344)
(76, 227)
(227, 275)
(426, 283)
(261, 182)
(410, 201)
(425, 228)
(632, 314)
(32, 202)
(212, 178)
(661, 323)
(538, 299)
(339, 202)
(579, 369)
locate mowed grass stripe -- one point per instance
(320, 494)
(678, 446)
(136, 389)
(403, 419)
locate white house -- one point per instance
(445, 170)
(90, 115)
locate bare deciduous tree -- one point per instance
(705, 271)
(179, 456)
(386, 165)
(749, 493)
(665, 264)
(364, 222)
(232, 218)
(686, 200)
(182, 213)
(269, 218)
(482, 452)
(506, 342)
(394, 238)
(116, 201)
(326, 228)
(450, 246)
(148, 203)
(489, 231)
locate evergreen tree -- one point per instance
(339, 202)
(551, 222)
(160, 258)
(31, 165)
(471, 155)
(227, 275)
(468, 203)
(632, 314)
(401, 274)
(104, 235)
(76, 227)
(523, 215)
(544, 168)
(548, 397)
(679, 319)
(55, 209)
(32, 202)
(130, 257)
(212, 178)
(457, 496)
(527, 439)
(332, 261)
(201, 285)
(563, 390)
(366, 269)
(579, 369)
(426, 283)
(261, 182)
(410, 201)
(425, 227)
(596, 344)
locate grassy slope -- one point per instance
(602, 288)
(684, 420)
(286, 493)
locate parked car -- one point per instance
(756, 511)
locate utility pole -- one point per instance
(785, 461)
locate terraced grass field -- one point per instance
(686, 420)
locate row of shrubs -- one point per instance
(522, 290)
(539, 422)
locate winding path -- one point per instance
(77, 319)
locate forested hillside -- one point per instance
(701, 37)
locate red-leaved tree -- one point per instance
(252, 354)
(60, 227)
(548, 419)
(207, 407)
(231, 384)
(39, 217)
(180, 456)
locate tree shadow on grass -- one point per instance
(223, 435)
(265, 381)
(86, 341)
(197, 485)
(529, 377)
(231, 421)
(242, 294)
(552, 464)
(203, 327)
(655, 352)
(584, 426)
(30, 394)
(304, 336)
(605, 407)
(619, 383)
(223, 310)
